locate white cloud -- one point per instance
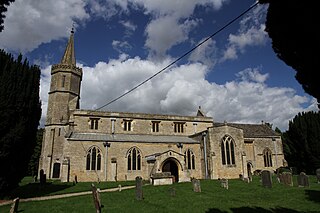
(30, 23)
(250, 33)
(182, 89)
(205, 54)
(121, 46)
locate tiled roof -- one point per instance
(130, 138)
(252, 130)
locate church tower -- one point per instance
(64, 96)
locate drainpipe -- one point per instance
(204, 134)
(106, 145)
(275, 148)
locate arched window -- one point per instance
(93, 159)
(267, 157)
(227, 151)
(134, 159)
(190, 159)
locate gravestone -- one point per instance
(43, 178)
(196, 185)
(303, 180)
(14, 206)
(119, 188)
(139, 192)
(224, 183)
(318, 175)
(96, 198)
(266, 179)
(286, 178)
(172, 191)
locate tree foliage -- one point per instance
(301, 142)
(20, 111)
(292, 26)
(3, 8)
(34, 160)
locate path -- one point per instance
(64, 195)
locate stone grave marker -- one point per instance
(139, 192)
(224, 183)
(14, 206)
(172, 191)
(318, 175)
(303, 180)
(196, 185)
(43, 178)
(286, 178)
(96, 198)
(266, 179)
(119, 188)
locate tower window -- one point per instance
(63, 81)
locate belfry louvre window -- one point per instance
(178, 127)
(155, 126)
(227, 151)
(267, 157)
(93, 159)
(94, 122)
(127, 125)
(190, 159)
(134, 159)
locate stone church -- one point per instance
(94, 145)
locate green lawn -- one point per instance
(241, 197)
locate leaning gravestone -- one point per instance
(318, 175)
(14, 206)
(196, 185)
(42, 177)
(96, 198)
(139, 192)
(266, 179)
(286, 178)
(303, 180)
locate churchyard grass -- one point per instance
(240, 197)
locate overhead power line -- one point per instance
(182, 56)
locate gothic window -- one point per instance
(134, 159)
(227, 151)
(267, 157)
(127, 124)
(94, 122)
(93, 159)
(63, 81)
(190, 159)
(178, 127)
(155, 126)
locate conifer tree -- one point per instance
(301, 143)
(20, 111)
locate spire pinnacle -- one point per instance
(69, 57)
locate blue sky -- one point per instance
(234, 77)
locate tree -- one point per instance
(292, 26)
(3, 9)
(301, 143)
(20, 111)
(34, 160)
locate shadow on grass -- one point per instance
(36, 190)
(313, 195)
(254, 210)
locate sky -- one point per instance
(234, 76)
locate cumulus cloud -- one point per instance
(250, 33)
(29, 23)
(205, 54)
(182, 89)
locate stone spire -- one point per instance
(69, 57)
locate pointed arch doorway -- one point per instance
(171, 166)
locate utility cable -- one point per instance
(182, 56)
